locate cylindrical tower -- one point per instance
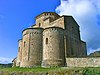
(19, 57)
(32, 47)
(53, 47)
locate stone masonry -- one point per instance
(83, 62)
(50, 41)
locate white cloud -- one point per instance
(4, 60)
(93, 50)
(87, 14)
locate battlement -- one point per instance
(32, 31)
(47, 14)
(45, 18)
(53, 30)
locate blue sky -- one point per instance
(16, 15)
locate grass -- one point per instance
(5, 65)
(36, 69)
(84, 71)
(92, 71)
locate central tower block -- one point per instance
(45, 18)
(53, 47)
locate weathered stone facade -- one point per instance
(53, 54)
(83, 62)
(32, 47)
(52, 39)
(19, 57)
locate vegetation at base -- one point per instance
(6, 65)
(36, 69)
(62, 70)
(91, 71)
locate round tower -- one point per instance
(19, 57)
(32, 47)
(53, 47)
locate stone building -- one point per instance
(50, 41)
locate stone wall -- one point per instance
(45, 18)
(83, 49)
(53, 47)
(74, 47)
(19, 53)
(32, 47)
(83, 62)
(54, 36)
(58, 23)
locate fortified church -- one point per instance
(50, 41)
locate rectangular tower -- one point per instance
(74, 45)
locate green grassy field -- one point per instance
(6, 68)
(36, 69)
(5, 65)
(84, 71)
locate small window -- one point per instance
(31, 44)
(24, 43)
(46, 40)
(19, 49)
(39, 24)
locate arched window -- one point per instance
(39, 24)
(46, 40)
(19, 49)
(24, 43)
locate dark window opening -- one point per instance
(19, 49)
(24, 43)
(39, 24)
(46, 40)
